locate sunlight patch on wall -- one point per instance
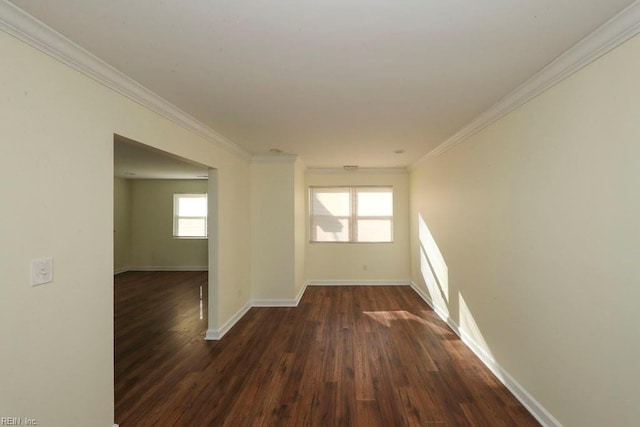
(469, 327)
(433, 267)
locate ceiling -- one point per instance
(334, 81)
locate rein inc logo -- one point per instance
(18, 421)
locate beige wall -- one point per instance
(300, 231)
(58, 127)
(536, 218)
(346, 261)
(121, 224)
(229, 262)
(273, 229)
(152, 242)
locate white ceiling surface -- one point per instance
(135, 161)
(334, 81)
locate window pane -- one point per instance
(333, 202)
(374, 230)
(331, 229)
(192, 227)
(375, 203)
(192, 206)
(351, 214)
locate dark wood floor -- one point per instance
(346, 356)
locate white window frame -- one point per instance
(353, 212)
(176, 217)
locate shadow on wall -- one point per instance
(435, 274)
(327, 221)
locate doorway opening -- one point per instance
(162, 283)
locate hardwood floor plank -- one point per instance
(368, 414)
(346, 356)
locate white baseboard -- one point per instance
(212, 335)
(274, 303)
(216, 334)
(281, 302)
(301, 292)
(352, 282)
(170, 268)
(533, 406)
(120, 270)
(444, 316)
(162, 268)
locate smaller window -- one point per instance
(190, 216)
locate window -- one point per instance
(351, 214)
(190, 216)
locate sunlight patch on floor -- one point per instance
(386, 317)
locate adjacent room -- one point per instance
(160, 242)
(320, 213)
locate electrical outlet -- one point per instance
(41, 271)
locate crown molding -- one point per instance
(30, 30)
(35, 33)
(355, 171)
(611, 34)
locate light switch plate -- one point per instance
(41, 271)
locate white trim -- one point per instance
(170, 268)
(281, 302)
(216, 334)
(355, 171)
(30, 30)
(444, 316)
(352, 282)
(607, 37)
(212, 335)
(533, 406)
(121, 270)
(301, 292)
(274, 303)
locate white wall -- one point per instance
(152, 242)
(300, 226)
(121, 224)
(232, 266)
(273, 250)
(536, 218)
(346, 261)
(57, 128)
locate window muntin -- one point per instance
(351, 214)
